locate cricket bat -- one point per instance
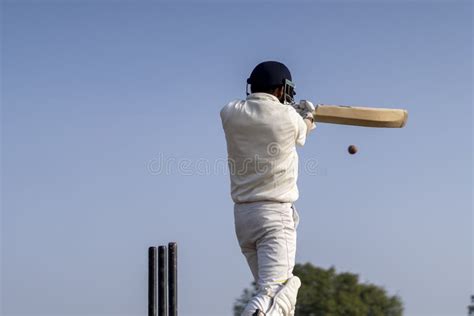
(361, 116)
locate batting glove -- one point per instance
(305, 109)
(307, 106)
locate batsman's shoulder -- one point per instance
(229, 107)
(295, 116)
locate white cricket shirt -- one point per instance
(261, 135)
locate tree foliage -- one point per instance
(324, 292)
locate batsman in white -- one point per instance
(262, 133)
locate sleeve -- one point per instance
(300, 127)
(224, 113)
(302, 131)
(227, 110)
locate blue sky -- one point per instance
(98, 95)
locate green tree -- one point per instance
(324, 292)
(240, 303)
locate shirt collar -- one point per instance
(262, 96)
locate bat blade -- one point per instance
(361, 116)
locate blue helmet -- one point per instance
(269, 74)
(272, 74)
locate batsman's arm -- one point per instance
(309, 125)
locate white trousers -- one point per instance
(266, 232)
